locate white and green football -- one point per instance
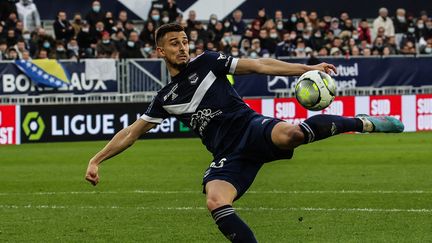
(315, 90)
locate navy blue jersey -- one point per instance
(203, 99)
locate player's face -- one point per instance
(175, 49)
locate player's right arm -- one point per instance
(120, 142)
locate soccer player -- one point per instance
(240, 140)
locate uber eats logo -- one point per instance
(33, 126)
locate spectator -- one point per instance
(19, 28)
(420, 29)
(355, 51)
(28, 13)
(202, 33)
(378, 44)
(313, 20)
(105, 48)
(217, 33)
(427, 49)
(400, 24)
(95, 15)
(26, 55)
(155, 18)
(428, 31)
(147, 33)
(323, 52)
(386, 51)
(317, 40)
(108, 22)
(273, 40)
(20, 47)
(119, 40)
(3, 48)
(42, 54)
(391, 44)
(300, 50)
(191, 19)
(334, 26)
(122, 17)
(61, 52)
(165, 17)
(12, 54)
(73, 49)
(63, 30)
(171, 8)
(132, 48)
(364, 31)
(96, 33)
(76, 24)
(383, 21)
(85, 41)
(6, 8)
(287, 46)
(11, 38)
(213, 20)
(262, 17)
(348, 25)
(11, 21)
(408, 48)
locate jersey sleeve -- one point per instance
(221, 63)
(155, 113)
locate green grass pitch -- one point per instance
(350, 188)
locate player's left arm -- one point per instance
(275, 67)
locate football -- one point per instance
(315, 90)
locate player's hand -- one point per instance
(325, 67)
(92, 174)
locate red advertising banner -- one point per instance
(254, 104)
(424, 112)
(341, 106)
(7, 124)
(290, 110)
(386, 105)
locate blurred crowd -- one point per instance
(100, 34)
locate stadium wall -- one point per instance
(57, 123)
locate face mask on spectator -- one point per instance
(155, 17)
(26, 36)
(355, 37)
(60, 49)
(227, 24)
(99, 29)
(235, 53)
(147, 49)
(306, 37)
(131, 43)
(279, 26)
(317, 34)
(273, 35)
(192, 46)
(106, 41)
(401, 19)
(293, 19)
(213, 21)
(73, 48)
(85, 30)
(428, 50)
(227, 39)
(420, 26)
(165, 19)
(96, 8)
(253, 55)
(411, 29)
(46, 45)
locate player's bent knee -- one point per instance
(214, 202)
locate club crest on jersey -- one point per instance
(171, 93)
(193, 78)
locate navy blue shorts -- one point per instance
(255, 148)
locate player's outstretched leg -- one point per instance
(319, 127)
(323, 126)
(220, 195)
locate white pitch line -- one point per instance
(369, 210)
(198, 192)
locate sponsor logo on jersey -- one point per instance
(193, 78)
(171, 93)
(202, 118)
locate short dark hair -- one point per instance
(166, 28)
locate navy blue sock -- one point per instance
(231, 225)
(323, 126)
